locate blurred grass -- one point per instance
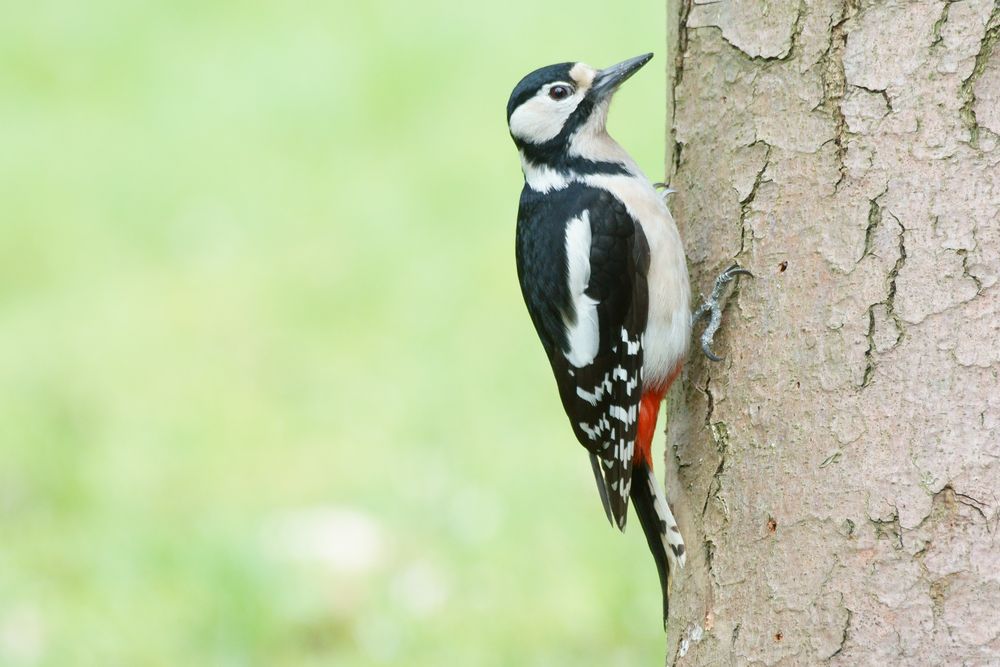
(257, 259)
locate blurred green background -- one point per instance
(268, 392)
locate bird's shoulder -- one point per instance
(544, 239)
(557, 207)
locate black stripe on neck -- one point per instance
(568, 165)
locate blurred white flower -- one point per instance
(344, 540)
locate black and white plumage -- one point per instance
(584, 282)
(604, 277)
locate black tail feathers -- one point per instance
(653, 527)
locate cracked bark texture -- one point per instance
(839, 474)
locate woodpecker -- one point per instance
(604, 277)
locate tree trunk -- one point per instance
(839, 472)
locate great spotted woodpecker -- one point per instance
(604, 276)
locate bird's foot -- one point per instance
(712, 308)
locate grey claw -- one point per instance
(713, 309)
(667, 190)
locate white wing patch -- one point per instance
(583, 335)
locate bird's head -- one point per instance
(556, 106)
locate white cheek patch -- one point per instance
(541, 119)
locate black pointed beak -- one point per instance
(608, 79)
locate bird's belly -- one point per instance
(668, 328)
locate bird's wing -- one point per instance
(584, 281)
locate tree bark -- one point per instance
(838, 475)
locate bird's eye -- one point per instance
(559, 92)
